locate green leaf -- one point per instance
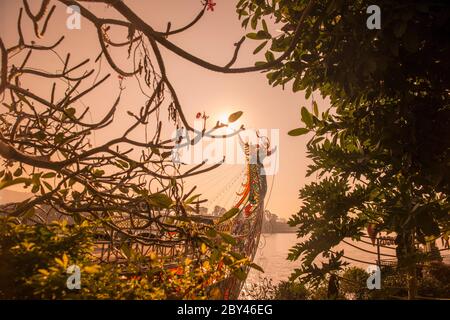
(98, 172)
(255, 266)
(252, 35)
(48, 185)
(269, 56)
(5, 184)
(40, 135)
(18, 172)
(298, 132)
(124, 190)
(264, 24)
(35, 188)
(245, 22)
(306, 117)
(297, 85)
(212, 233)
(316, 109)
(236, 255)
(228, 238)
(160, 200)
(229, 214)
(317, 140)
(191, 199)
(71, 112)
(166, 154)
(242, 12)
(308, 92)
(125, 164)
(260, 35)
(155, 150)
(254, 22)
(59, 138)
(240, 274)
(48, 175)
(260, 47)
(235, 116)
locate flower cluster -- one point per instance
(210, 5)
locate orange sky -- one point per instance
(198, 89)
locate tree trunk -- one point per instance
(412, 270)
(412, 282)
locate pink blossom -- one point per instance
(210, 5)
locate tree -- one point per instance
(126, 183)
(381, 152)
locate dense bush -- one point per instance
(434, 282)
(34, 260)
(287, 290)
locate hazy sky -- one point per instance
(217, 94)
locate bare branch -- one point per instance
(4, 67)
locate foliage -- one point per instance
(432, 283)
(34, 262)
(263, 289)
(381, 152)
(353, 283)
(27, 251)
(435, 281)
(287, 290)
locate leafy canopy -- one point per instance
(381, 152)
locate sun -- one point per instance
(223, 118)
(230, 127)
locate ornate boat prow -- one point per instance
(246, 226)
